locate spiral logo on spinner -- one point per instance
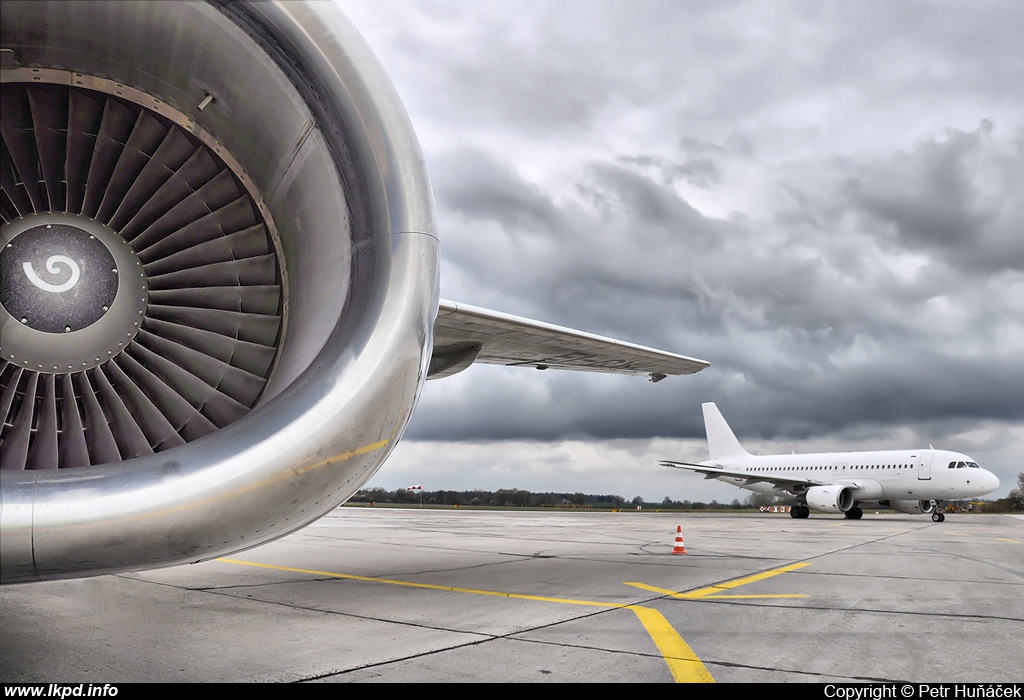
(57, 278)
(52, 267)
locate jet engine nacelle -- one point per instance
(219, 278)
(830, 499)
(911, 507)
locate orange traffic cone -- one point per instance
(679, 547)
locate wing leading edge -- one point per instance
(466, 334)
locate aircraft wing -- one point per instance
(466, 334)
(781, 483)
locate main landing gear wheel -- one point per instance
(799, 512)
(938, 517)
(854, 513)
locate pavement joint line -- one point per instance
(683, 663)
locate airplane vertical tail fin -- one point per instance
(721, 440)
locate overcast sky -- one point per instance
(823, 199)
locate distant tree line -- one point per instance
(1014, 502)
(520, 498)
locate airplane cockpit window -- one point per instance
(974, 465)
(952, 465)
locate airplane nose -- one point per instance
(990, 482)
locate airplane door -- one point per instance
(924, 469)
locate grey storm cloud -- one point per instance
(822, 338)
(478, 186)
(825, 200)
(960, 197)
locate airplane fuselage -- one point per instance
(909, 481)
(872, 476)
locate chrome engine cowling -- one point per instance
(219, 278)
(830, 499)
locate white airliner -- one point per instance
(908, 481)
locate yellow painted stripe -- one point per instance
(1007, 539)
(652, 589)
(674, 594)
(685, 666)
(735, 583)
(428, 586)
(716, 590)
(737, 596)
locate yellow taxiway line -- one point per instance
(685, 665)
(716, 590)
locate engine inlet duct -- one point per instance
(140, 281)
(219, 278)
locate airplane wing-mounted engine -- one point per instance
(830, 499)
(219, 278)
